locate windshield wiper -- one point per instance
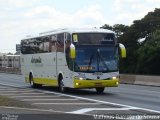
(101, 58)
(90, 61)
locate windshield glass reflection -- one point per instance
(96, 59)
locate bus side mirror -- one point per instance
(72, 51)
(122, 50)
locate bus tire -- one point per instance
(32, 84)
(100, 90)
(61, 84)
(31, 80)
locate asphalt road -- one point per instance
(133, 95)
(144, 99)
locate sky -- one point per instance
(20, 18)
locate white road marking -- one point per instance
(93, 100)
(11, 85)
(16, 91)
(21, 96)
(47, 99)
(11, 94)
(103, 102)
(65, 103)
(85, 110)
(32, 93)
(7, 89)
(3, 87)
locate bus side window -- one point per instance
(23, 46)
(35, 46)
(60, 42)
(44, 44)
(52, 43)
(67, 45)
(38, 43)
(29, 46)
(68, 40)
(67, 51)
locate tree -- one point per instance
(106, 26)
(139, 54)
(119, 29)
(148, 56)
(143, 28)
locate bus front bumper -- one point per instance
(95, 83)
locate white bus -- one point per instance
(72, 58)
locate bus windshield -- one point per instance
(96, 59)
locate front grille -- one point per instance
(97, 79)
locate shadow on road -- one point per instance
(70, 91)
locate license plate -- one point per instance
(98, 84)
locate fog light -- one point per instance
(117, 83)
(77, 84)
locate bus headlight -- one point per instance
(78, 78)
(115, 77)
(117, 83)
(77, 84)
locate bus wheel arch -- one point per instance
(61, 86)
(31, 81)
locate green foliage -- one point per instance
(106, 26)
(149, 56)
(119, 29)
(142, 57)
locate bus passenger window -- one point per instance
(60, 43)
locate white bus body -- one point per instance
(45, 59)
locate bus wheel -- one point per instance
(61, 84)
(32, 84)
(100, 90)
(31, 80)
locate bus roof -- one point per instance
(71, 30)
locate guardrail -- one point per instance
(140, 79)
